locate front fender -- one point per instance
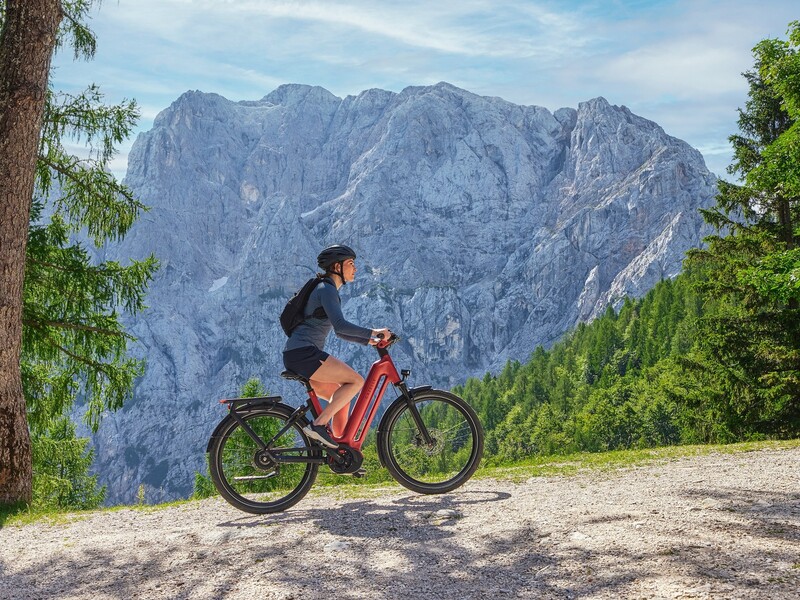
(419, 388)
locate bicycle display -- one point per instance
(260, 460)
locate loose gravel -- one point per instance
(712, 526)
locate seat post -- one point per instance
(312, 395)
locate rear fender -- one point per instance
(218, 431)
(241, 406)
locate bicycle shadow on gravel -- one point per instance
(364, 510)
(401, 548)
(279, 565)
(434, 556)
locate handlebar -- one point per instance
(383, 344)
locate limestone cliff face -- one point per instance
(483, 229)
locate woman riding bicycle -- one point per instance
(304, 354)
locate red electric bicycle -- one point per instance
(261, 461)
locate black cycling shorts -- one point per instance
(304, 361)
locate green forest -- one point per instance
(710, 357)
(640, 377)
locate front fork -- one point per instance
(408, 395)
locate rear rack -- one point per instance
(237, 402)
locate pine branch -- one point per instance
(102, 367)
(82, 269)
(75, 326)
(70, 175)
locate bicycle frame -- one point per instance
(381, 373)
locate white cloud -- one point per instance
(685, 68)
(470, 28)
(677, 62)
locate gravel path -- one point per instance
(714, 526)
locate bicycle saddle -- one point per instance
(293, 376)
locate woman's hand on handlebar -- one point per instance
(378, 335)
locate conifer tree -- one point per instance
(750, 335)
(28, 32)
(73, 343)
(61, 463)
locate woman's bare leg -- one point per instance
(326, 391)
(334, 371)
(340, 422)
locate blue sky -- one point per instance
(677, 62)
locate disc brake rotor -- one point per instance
(436, 445)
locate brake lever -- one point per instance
(383, 344)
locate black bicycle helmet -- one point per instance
(334, 254)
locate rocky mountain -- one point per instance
(483, 229)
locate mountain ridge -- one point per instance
(483, 228)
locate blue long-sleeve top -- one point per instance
(313, 331)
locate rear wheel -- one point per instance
(248, 477)
(444, 460)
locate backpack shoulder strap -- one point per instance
(319, 312)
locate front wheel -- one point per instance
(439, 459)
(246, 476)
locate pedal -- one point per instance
(360, 473)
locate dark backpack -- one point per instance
(294, 312)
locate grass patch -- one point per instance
(151, 508)
(22, 514)
(378, 481)
(573, 464)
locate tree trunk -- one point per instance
(26, 47)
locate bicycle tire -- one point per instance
(266, 489)
(446, 464)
